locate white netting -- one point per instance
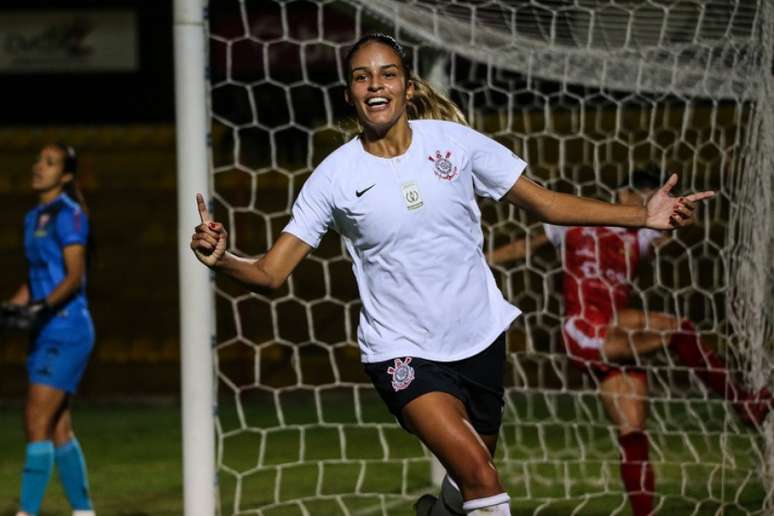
(692, 48)
(751, 244)
(583, 90)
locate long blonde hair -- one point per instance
(427, 103)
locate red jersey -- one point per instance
(599, 266)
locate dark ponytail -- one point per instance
(71, 167)
(427, 102)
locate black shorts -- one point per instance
(476, 381)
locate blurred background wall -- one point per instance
(115, 105)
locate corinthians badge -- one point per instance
(444, 168)
(402, 373)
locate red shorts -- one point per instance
(583, 340)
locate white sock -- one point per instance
(496, 505)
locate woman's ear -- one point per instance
(410, 89)
(347, 96)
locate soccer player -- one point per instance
(606, 338)
(56, 234)
(403, 196)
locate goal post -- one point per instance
(195, 290)
(584, 91)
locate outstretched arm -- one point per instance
(661, 212)
(516, 249)
(209, 243)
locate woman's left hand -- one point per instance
(666, 212)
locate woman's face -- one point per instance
(48, 170)
(378, 89)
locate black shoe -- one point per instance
(425, 504)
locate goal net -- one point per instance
(584, 91)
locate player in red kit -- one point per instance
(607, 338)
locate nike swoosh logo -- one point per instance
(359, 193)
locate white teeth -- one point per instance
(374, 101)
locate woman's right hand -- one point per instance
(209, 239)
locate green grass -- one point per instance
(559, 450)
(132, 452)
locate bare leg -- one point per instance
(491, 442)
(624, 398)
(449, 502)
(63, 428)
(636, 334)
(44, 407)
(441, 422)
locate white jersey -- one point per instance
(413, 229)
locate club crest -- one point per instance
(402, 373)
(43, 219)
(443, 168)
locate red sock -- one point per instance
(636, 472)
(709, 367)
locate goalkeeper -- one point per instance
(52, 306)
(403, 196)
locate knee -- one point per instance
(37, 424)
(636, 426)
(62, 436)
(633, 421)
(479, 478)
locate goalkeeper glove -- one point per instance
(10, 315)
(38, 313)
(24, 317)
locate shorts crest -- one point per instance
(402, 373)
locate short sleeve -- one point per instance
(312, 212)
(645, 238)
(72, 227)
(495, 167)
(555, 234)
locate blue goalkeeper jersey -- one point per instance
(48, 229)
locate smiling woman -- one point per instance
(402, 194)
(381, 87)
